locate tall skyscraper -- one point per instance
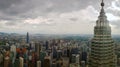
(27, 38)
(13, 53)
(46, 45)
(37, 49)
(21, 62)
(83, 64)
(47, 61)
(38, 63)
(6, 61)
(102, 45)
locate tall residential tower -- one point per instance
(102, 45)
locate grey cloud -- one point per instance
(116, 13)
(14, 11)
(4, 4)
(10, 23)
(14, 23)
(118, 4)
(73, 19)
(34, 8)
(116, 23)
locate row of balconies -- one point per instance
(102, 60)
(102, 27)
(102, 55)
(97, 46)
(102, 42)
(102, 38)
(103, 49)
(101, 45)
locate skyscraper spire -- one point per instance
(102, 13)
(102, 18)
(102, 3)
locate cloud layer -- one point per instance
(56, 16)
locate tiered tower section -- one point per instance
(102, 45)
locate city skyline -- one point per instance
(56, 16)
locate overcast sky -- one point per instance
(56, 16)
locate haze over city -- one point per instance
(56, 16)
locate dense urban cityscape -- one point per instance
(53, 51)
(102, 49)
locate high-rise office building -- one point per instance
(6, 61)
(74, 65)
(83, 64)
(59, 54)
(21, 62)
(16, 64)
(65, 62)
(74, 58)
(47, 61)
(38, 63)
(102, 45)
(60, 62)
(13, 53)
(84, 56)
(46, 45)
(54, 53)
(37, 49)
(54, 64)
(1, 58)
(27, 38)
